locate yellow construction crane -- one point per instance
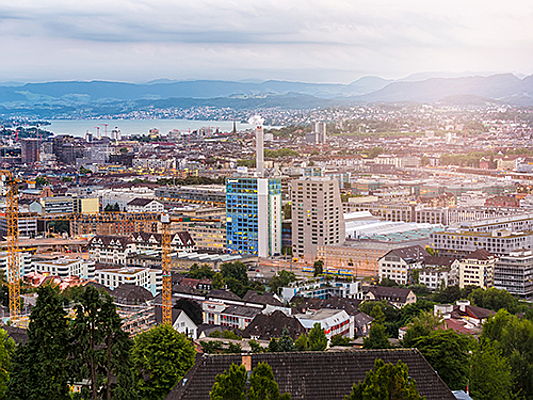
(166, 259)
(12, 222)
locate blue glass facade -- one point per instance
(242, 222)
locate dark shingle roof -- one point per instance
(222, 294)
(389, 293)
(131, 294)
(242, 311)
(480, 254)
(411, 253)
(313, 375)
(140, 202)
(333, 302)
(441, 261)
(272, 326)
(267, 298)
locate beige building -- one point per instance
(317, 218)
(477, 269)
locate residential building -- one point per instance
(253, 216)
(477, 269)
(398, 297)
(439, 272)
(110, 249)
(317, 218)
(398, 264)
(514, 273)
(197, 194)
(143, 242)
(64, 267)
(333, 322)
(313, 375)
(30, 150)
(140, 205)
(148, 278)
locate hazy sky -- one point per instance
(321, 40)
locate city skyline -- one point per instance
(314, 41)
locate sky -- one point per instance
(306, 40)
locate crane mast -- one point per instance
(166, 265)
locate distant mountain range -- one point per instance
(105, 96)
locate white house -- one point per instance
(140, 205)
(333, 322)
(184, 324)
(150, 279)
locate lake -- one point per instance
(78, 127)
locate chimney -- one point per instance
(260, 158)
(247, 361)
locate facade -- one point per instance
(24, 262)
(86, 205)
(321, 289)
(147, 278)
(397, 264)
(30, 150)
(110, 249)
(477, 269)
(333, 322)
(514, 273)
(192, 194)
(397, 296)
(317, 218)
(27, 226)
(144, 205)
(500, 242)
(65, 267)
(253, 216)
(53, 205)
(146, 242)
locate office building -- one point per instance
(253, 216)
(317, 218)
(65, 267)
(53, 205)
(514, 273)
(150, 279)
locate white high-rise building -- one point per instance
(317, 218)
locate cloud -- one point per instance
(325, 39)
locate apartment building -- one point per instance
(317, 218)
(398, 264)
(140, 205)
(110, 249)
(333, 322)
(477, 269)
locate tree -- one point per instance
(161, 357)
(317, 338)
(218, 281)
(302, 343)
(494, 299)
(7, 350)
(448, 354)
(386, 381)
(101, 348)
(263, 386)
(339, 340)
(283, 344)
(514, 338)
(200, 272)
(318, 267)
(230, 385)
(377, 338)
(281, 279)
(235, 277)
(41, 180)
(491, 376)
(41, 368)
(421, 325)
(388, 282)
